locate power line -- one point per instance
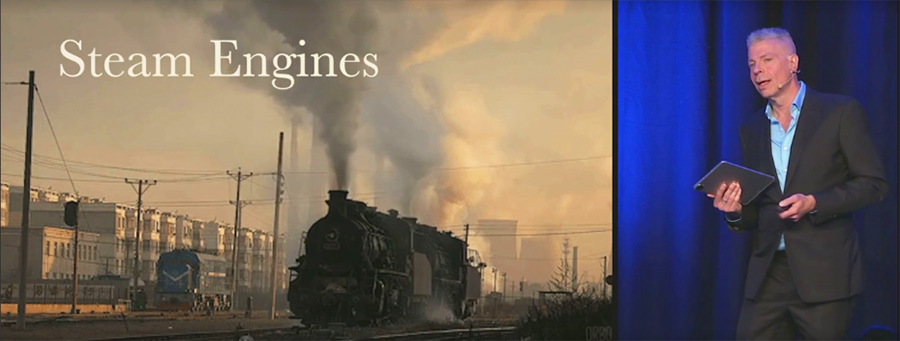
(524, 163)
(56, 166)
(502, 165)
(238, 205)
(540, 259)
(61, 179)
(258, 216)
(37, 91)
(559, 233)
(74, 189)
(210, 172)
(118, 179)
(141, 170)
(483, 227)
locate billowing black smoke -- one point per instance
(337, 28)
(406, 133)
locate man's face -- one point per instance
(771, 62)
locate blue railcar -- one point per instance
(190, 280)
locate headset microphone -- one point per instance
(794, 73)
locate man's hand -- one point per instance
(800, 205)
(728, 198)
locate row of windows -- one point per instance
(152, 245)
(65, 250)
(147, 245)
(61, 275)
(149, 226)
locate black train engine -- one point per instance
(363, 266)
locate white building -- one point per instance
(51, 254)
(262, 261)
(150, 237)
(13, 200)
(167, 222)
(184, 232)
(104, 219)
(197, 232)
(4, 204)
(245, 258)
(212, 237)
(108, 232)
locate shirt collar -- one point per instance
(796, 105)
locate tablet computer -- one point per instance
(752, 182)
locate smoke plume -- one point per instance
(407, 130)
(418, 122)
(326, 27)
(338, 29)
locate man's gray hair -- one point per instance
(771, 33)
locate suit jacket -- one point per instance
(832, 158)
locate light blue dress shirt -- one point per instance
(783, 139)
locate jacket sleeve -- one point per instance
(867, 184)
(749, 213)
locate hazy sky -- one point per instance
(460, 84)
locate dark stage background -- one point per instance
(683, 89)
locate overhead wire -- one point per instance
(111, 178)
(139, 170)
(50, 162)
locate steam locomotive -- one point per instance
(365, 267)
(190, 280)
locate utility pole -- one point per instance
(466, 261)
(604, 275)
(238, 204)
(75, 269)
(503, 297)
(494, 288)
(279, 182)
(467, 239)
(26, 200)
(565, 279)
(481, 267)
(139, 225)
(574, 268)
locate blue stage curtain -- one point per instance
(683, 88)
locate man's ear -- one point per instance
(795, 62)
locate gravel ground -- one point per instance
(105, 329)
(356, 333)
(95, 329)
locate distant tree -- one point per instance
(560, 280)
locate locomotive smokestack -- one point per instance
(393, 213)
(336, 201)
(337, 195)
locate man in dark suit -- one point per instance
(806, 268)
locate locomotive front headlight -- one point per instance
(331, 236)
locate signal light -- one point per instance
(71, 215)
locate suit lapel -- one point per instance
(807, 125)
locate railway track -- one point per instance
(209, 336)
(488, 333)
(283, 334)
(143, 316)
